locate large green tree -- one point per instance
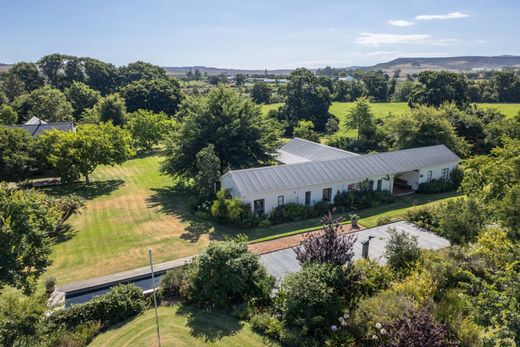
(376, 84)
(81, 97)
(27, 73)
(423, 126)
(76, 154)
(261, 93)
(306, 99)
(27, 219)
(242, 136)
(46, 103)
(15, 153)
(140, 70)
(148, 129)
(110, 108)
(437, 87)
(208, 165)
(8, 116)
(101, 76)
(361, 118)
(157, 95)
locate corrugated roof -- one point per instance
(299, 150)
(37, 129)
(35, 120)
(273, 178)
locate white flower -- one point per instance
(334, 328)
(374, 337)
(378, 326)
(346, 316)
(383, 331)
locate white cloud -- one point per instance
(400, 22)
(375, 40)
(451, 15)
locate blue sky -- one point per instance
(257, 34)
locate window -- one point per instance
(327, 194)
(446, 173)
(370, 185)
(280, 200)
(259, 206)
(379, 185)
(217, 186)
(429, 176)
(307, 198)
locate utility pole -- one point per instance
(154, 298)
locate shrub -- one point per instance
(233, 211)
(19, 318)
(456, 177)
(171, 283)
(294, 212)
(417, 329)
(435, 186)
(309, 300)
(358, 200)
(227, 274)
(327, 246)
(424, 217)
(267, 324)
(401, 251)
(332, 126)
(368, 278)
(120, 303)
(386, 220)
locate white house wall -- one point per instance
(436, 171)
(297, 195)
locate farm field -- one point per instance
(182, 327)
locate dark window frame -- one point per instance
(283, 200)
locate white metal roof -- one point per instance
(34, 121)
(299, 150)
(282, 177)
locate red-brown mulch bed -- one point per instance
(291, 241)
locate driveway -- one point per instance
(282, 262)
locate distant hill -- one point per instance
(467, 63)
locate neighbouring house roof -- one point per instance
(37, 129)
(282, 177)
(35, 120)
(299, 150)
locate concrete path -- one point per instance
(281, 263)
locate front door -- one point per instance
(327, 194)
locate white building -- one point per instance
(312, 172)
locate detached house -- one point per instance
(312, 172)
(35, 126)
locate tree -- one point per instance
(401, 251)
(52, 67)
(403, 91)
(328, 246)
(47, 103)
(226, 274)
(261, 93)
(332, 126)
(101, 76)
(156, 95)
(306, 99)
(27, 73)
(467, 125)
(423, 126)
(376, 84)
(140, 70)
(242, 136)
(15, 153)
(509, 211)
(208, 165)
(8, 116)
(148, 129)
(27, 221)
(309, 299)
(506, 86)
(218, 79)
(79, 153)
(240, 79)
(81, 97)
(437, 87)
(360, 117)
(12, 86)
(111, 108)
(197, 75)
(305, 130)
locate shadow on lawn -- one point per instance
(174, 201)
(88, 192)
(208, 325)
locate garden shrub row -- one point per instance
(359, 200)
(119, 304)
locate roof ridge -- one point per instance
(320, 144)
(334, 159)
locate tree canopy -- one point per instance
(148, 129)
(437, 87)
(81, 97)
(242, 136)
(157, 95)
(46, 103)
(15, 153)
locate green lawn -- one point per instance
(129, 209)
(182, 327)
